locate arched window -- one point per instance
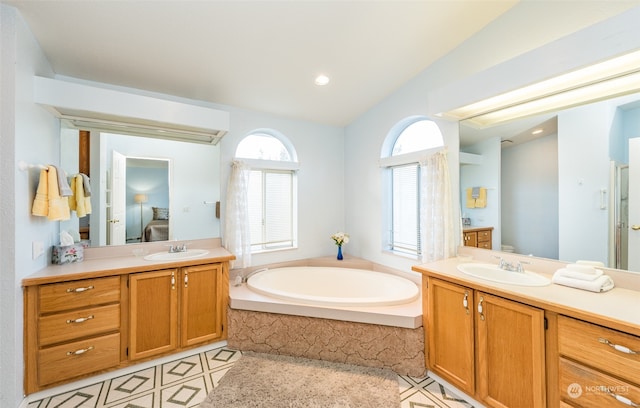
(408, 142)
(271, 190)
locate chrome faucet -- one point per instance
(178, 248)
(510, 266)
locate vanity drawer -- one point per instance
(76, 324)
(76, 294)
(484, 236)
(587, 388)
(81, 357)
(587, 343)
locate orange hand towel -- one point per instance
(41, 202)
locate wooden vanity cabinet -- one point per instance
(174, 308)
(487, 346)
(78, 328)
(71, 329)
(598, 366)
(477, 237)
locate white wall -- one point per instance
(27, 133)
(583, 172)
(530, 197)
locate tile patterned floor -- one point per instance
(185, 382)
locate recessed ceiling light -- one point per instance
(322, 80)
(537, 131)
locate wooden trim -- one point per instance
(30, 351)
(552, 359)
(84, 149)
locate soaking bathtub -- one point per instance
(329, 286)
(347, 294)
(346, 315)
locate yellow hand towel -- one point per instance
(58, 206)
(481, 201)
(41, 202)
(72, 197)
(471, 202)
(79, 194)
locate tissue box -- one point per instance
(62, 254)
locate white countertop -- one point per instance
(119, 264)
(618, 308)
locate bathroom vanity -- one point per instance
(479, 237)
(102, 314)
(548, 346)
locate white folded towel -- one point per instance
(591, 263)
(600, 284)
(584, 269)
(577, 274)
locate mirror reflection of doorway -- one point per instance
(147, 199)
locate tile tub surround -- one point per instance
(390, 337)
(371, 345)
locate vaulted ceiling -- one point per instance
(260, 55)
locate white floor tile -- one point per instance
(185, 382)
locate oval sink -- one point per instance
(176, 256)
(494, 274)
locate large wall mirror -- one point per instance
(143, 189)
(569, 191)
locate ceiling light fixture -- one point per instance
(537, 131)
(322, 80)
(615, 77)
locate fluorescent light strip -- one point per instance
(616, 87)
(594, 74)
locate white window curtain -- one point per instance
(436, 209)
(237, 238)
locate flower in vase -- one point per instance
(340, 238)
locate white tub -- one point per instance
(317, 285)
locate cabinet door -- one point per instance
(510, 353)
(471, 239)
(201, 314)
(153, 312)
(450, 328)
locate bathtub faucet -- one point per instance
(243, 279)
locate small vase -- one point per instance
(339, 252)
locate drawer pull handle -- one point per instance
(624, 400)
(80, 351)
(465, 301)
(480, 308)
(79, 290)
(80, 319)
(618, 347)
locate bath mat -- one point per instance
(274, 381)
